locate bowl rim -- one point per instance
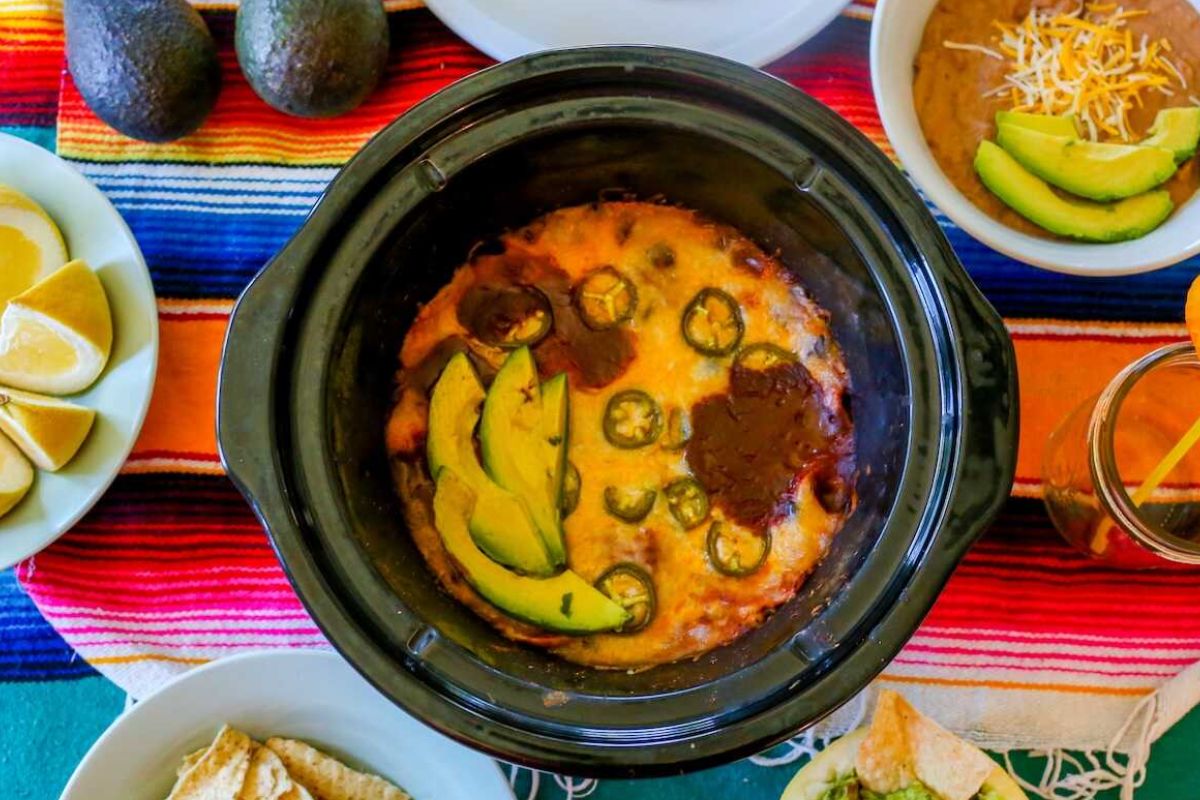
(1056, 255)
(64, 179)
(939, 281)
(232, 668)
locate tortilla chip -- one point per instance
(326, 778)
(220, 772)
(268, 779)
(189, 761)
(903, 746)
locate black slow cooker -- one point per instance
(311, 351)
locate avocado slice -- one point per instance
(1046, 123)
(1088, 169)
(1177, 130)
(516, 447)
(565, 603)
(1033, 199)
(500, 524)
(556, 411)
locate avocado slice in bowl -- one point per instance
(1053, 124)
(1177, 130)
(1097, 171)
(565, 603)
(1086, 221)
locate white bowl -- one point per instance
(310, 695)
(754, 33)
(895, 39)
(94, 231)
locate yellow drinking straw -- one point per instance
(1175, 455)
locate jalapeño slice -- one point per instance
(629, 503)
(712, 323)
(687, 501)
(679, 429)
(632, 419)
(762, 356)
(630, 587)
(572, 484)
(734, 551)
(605, 298)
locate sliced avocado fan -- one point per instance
(523, 449)
(1093, 170)
(500, 522)
(1031, 197)
(564, 603)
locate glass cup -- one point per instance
(1103, 451)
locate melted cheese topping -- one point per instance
(697, 608)
(1085, 62)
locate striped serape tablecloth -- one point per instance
(1030, 645)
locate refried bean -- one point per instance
(949, 87)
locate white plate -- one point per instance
(95, 232)
(755, 32)
(310, 695)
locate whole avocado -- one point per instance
(146, 67)
(312, 58)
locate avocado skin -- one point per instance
(312, 58)
(146, 67)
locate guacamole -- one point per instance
(847, 787)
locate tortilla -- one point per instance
(268, 779)
(220, 772)
(326, 778)
(902, 745)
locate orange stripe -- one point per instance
(1127, 691)
(182, 415)
(1056, 374)
(100, 660)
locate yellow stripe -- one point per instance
(101, 660)
(1124, 691)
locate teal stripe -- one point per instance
(37, 135)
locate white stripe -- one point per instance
(250, 172)
(218, 200)
(1091, 637)
(976, 673)
(136, 465)
(1050, 649)
(198, 209)
(1053, 328)
(103, 615)
(184, 307)
(131, 182)
(71, 626)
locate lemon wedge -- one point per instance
(16, 476)
(31, 246)
(49, 431)
(56, 336)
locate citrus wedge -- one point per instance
(55, 337)
(16, 476)
(48, 430)
(31, 246)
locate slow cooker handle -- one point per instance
(246, 389)
(989, 411)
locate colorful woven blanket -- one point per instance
(171, 569)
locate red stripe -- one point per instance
(916, 662)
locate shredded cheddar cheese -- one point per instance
(1085, 62)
